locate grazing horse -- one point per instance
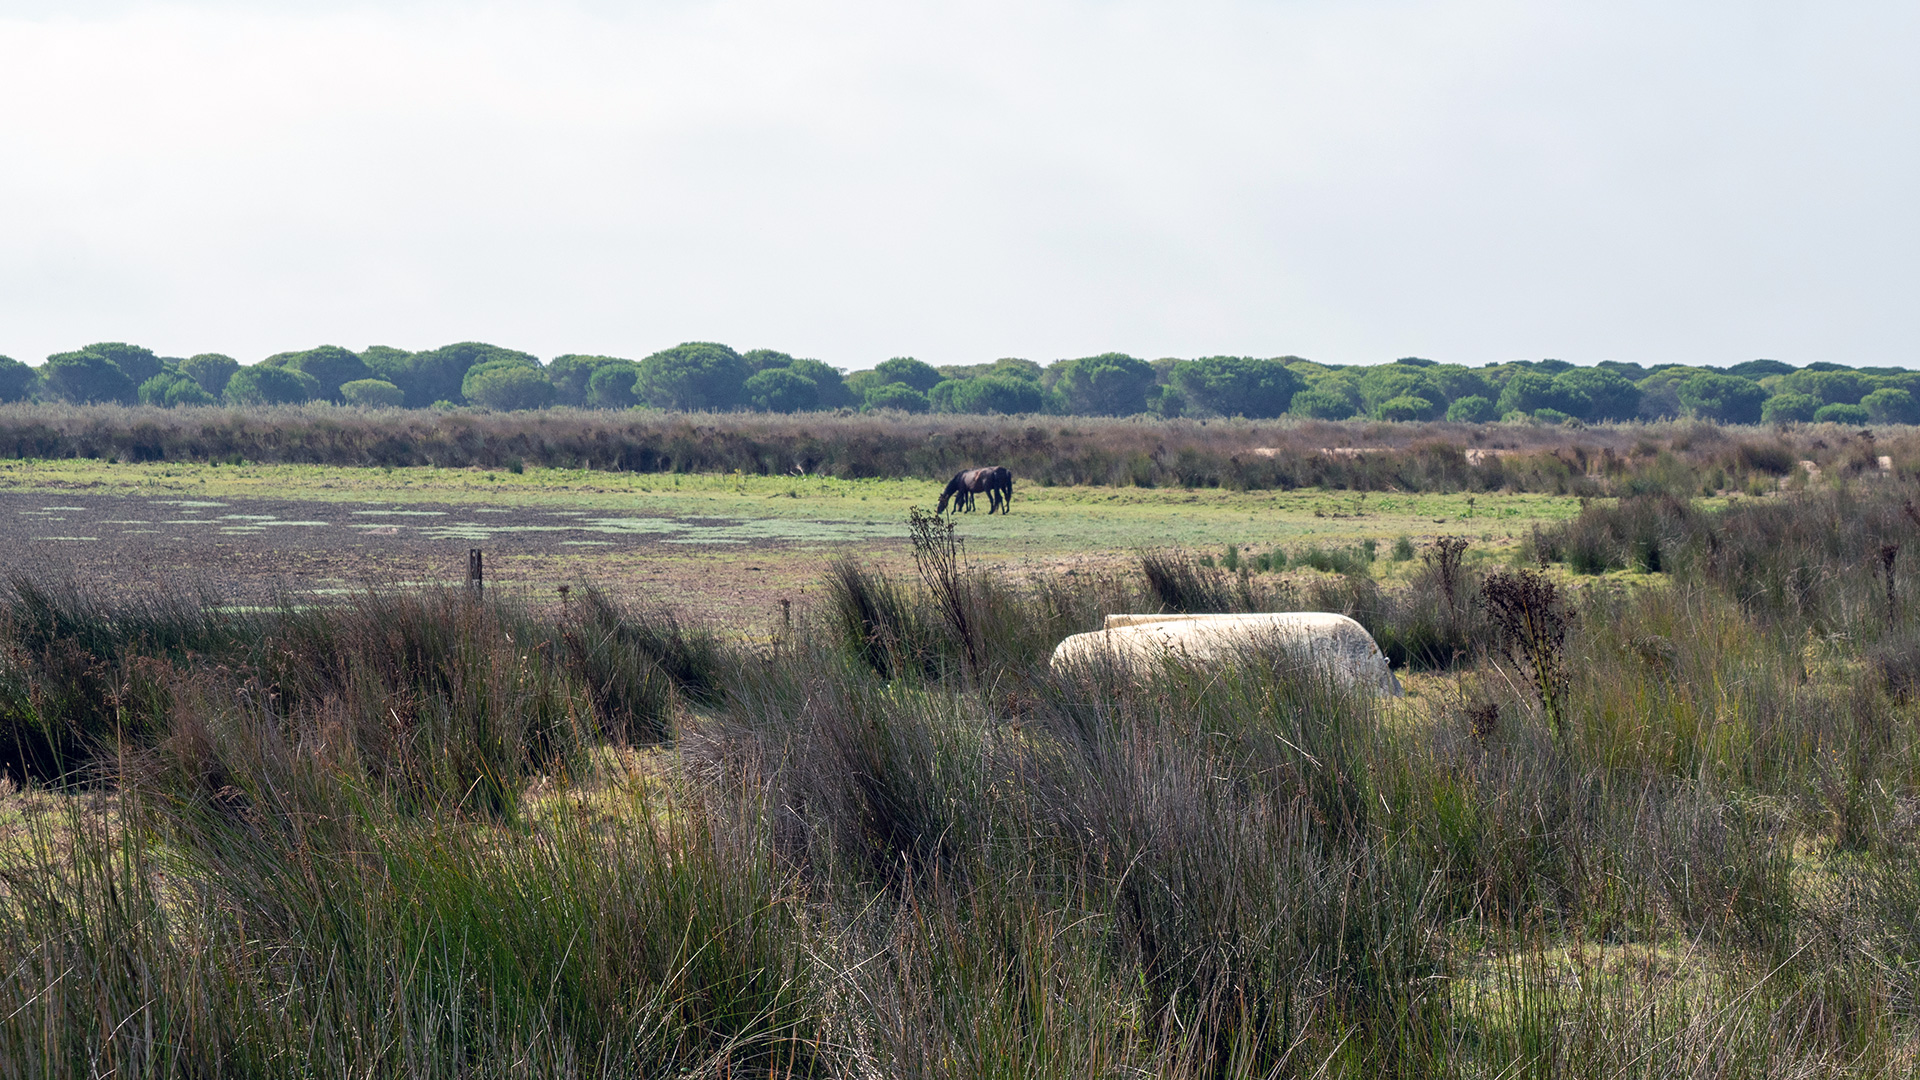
(999, 481)
(962, 488)
(995, 480)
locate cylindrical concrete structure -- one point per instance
(1334, 642)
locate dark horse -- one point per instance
(995, 480)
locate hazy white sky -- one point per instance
(1350, 181)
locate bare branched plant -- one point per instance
(1530, 621)
(942, 563)
(1443, 557)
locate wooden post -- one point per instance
(476, 574)
(786, 615)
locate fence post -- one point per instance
(476, 575)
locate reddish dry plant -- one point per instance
(1444, 557)
(1530, 620)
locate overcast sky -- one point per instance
(1350, 181)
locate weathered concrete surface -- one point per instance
(1338, 644)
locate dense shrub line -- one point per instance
(1679, 458)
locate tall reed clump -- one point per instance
(1181, 584)
(636, 665)
(163, 938)
(442, 697)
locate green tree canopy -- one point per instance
(136, 362)
(386, 362)
(515, 360)
(910, 372)
(759, 360)
(331, 367)
(1849, 415)
(1235, 385)
(16, 379)
(1759, 369)
(1890, 405)
(185, 391)
(154, 390)
(1455, 381)
(1595, 395)
(896, 396)
(987, 394)
(1472, 409)
(85, 377)
(1726, 398)
(1385, 382)
(1626, 370)
(1406, 407)
(1660, 391)
(263, 385)
(372, 394)
(693, 376)
(210, 370)
(1788, 406)
(1008, 365)
(1525, 392)
(572, 376)
(1831, 387)
(782, 390)
(438, 374)
(1111, 384)
(612, 386)
(831, 387)
(507, 385)
(1320, 403)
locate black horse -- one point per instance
(995, 480)
(999, 481)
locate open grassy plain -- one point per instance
(709, 545)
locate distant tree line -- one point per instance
(705, 376)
